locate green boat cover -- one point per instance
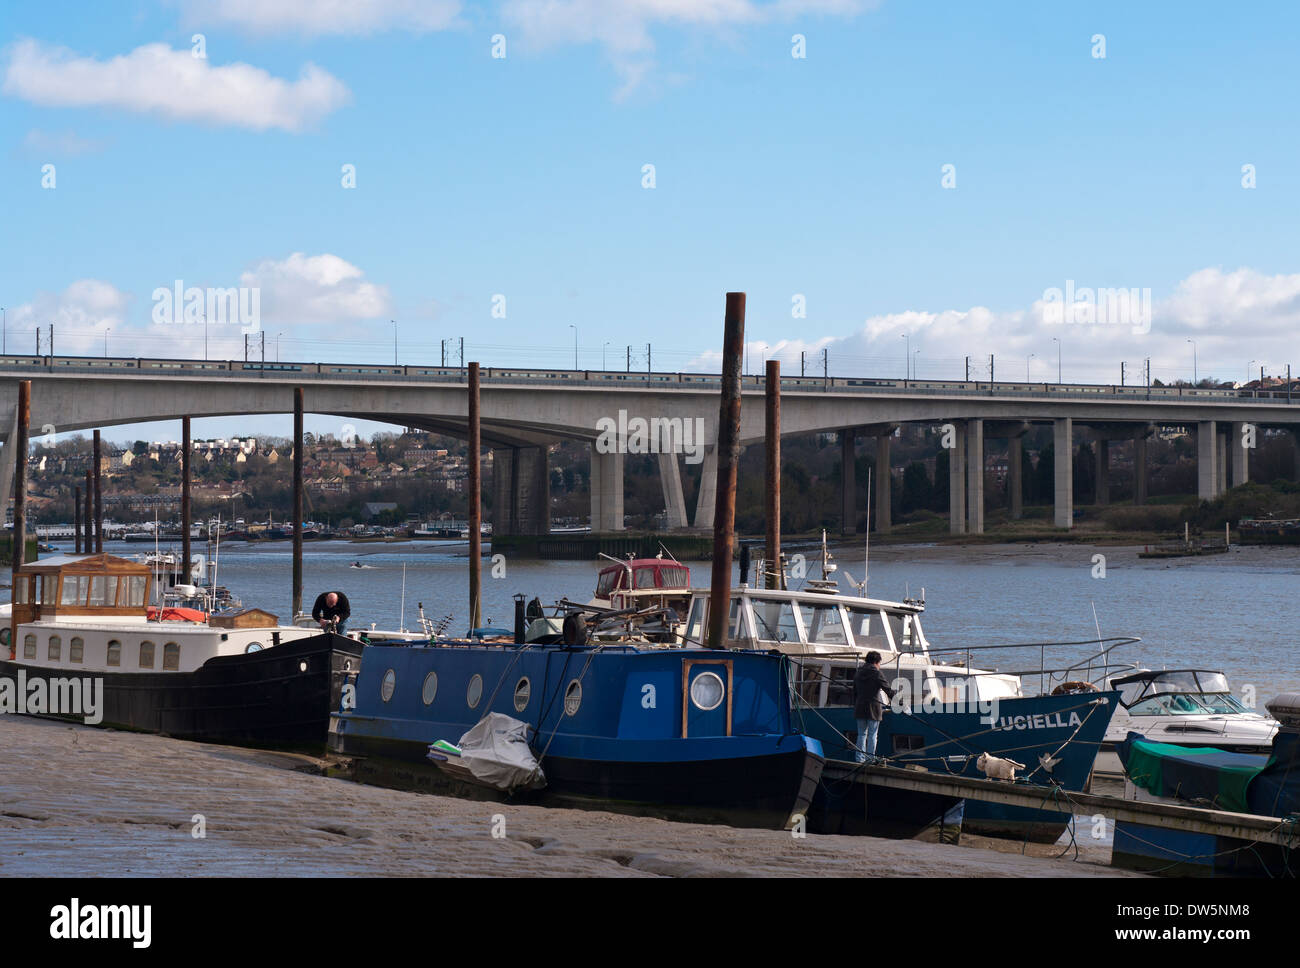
(1192, 773)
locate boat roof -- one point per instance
(1143, 675)
(821, 596)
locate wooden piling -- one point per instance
(297, 501)
(775, 575)
(89, 546)
(185, 500)
(724, 513)
(19, 445)
(99, 499)
(475, 504)
(76, 520)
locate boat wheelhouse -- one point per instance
(642, 582)
(234, 678)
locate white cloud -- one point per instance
(58, 144)
(316, 289)
(80, 315)
(624, 29)
(1234, 317)
(154, 79)
(320, 17)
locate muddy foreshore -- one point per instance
(77, 801)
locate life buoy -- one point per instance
(1072, 687)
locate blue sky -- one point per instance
(817, 177)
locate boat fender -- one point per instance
(575, 629)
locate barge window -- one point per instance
(76, 649)
(430, 688)
(171, 657)
(54, 652)
(475, 691)
(523, 691)
(29, 646)
(114, 653)
(74, 590)
(573, 698)
(146, 655)
(387, 687)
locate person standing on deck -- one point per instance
(868, 708)
(331, 607)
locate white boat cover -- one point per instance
(497, 753)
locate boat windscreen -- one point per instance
(774, 620)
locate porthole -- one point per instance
(573, 698)
(302, 665)
(707, 691)
(475, 691)
(430, 689)
(388, 685)
(252, 647)
(4, 637)
(523, 690)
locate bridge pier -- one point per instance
(957, 481)
(883, 482)
(670, 477)
(1063, 471)
(1101, 486)
(521, 489)
(848, 485)
(1140, 467)
(707, 496)
(1207, 463)
(1240, 454)
(975, 476)
(606, 491)
(1221, 457)
(1015, 484)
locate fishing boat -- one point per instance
(1187, 707)
(597, 718)
(1265, 784)
(946, 714)
(80, 628)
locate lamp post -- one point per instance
(915, 362)
(602, 354)
(574, 327)
(277, 345)
(107, 330)
(1195, 379)
(393, 321)
(1027, 359)
(1057, 341)
(907, 360)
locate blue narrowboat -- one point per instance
(682, 733)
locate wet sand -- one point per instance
(83, 802)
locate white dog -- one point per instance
(996, 768)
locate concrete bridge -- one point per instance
(673, 415)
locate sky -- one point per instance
(939, 179)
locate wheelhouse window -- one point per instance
(54, 649)
(774, 620)
(74, 591)
(824, 624)
(22, 590)
(103, 591)
(146, 655)
(114, 653)
(133, 591)
(171, 657)
(49, 586)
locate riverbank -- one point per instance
(82, 802)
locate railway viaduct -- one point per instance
(522, 412)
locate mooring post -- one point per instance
(185, 499)
(724, 508)
(99, 500)
(20, 479)
(76, 520)
(297, 501)
(89, 546)
(475, 504)
(775, 575)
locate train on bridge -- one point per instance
(703, 381)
